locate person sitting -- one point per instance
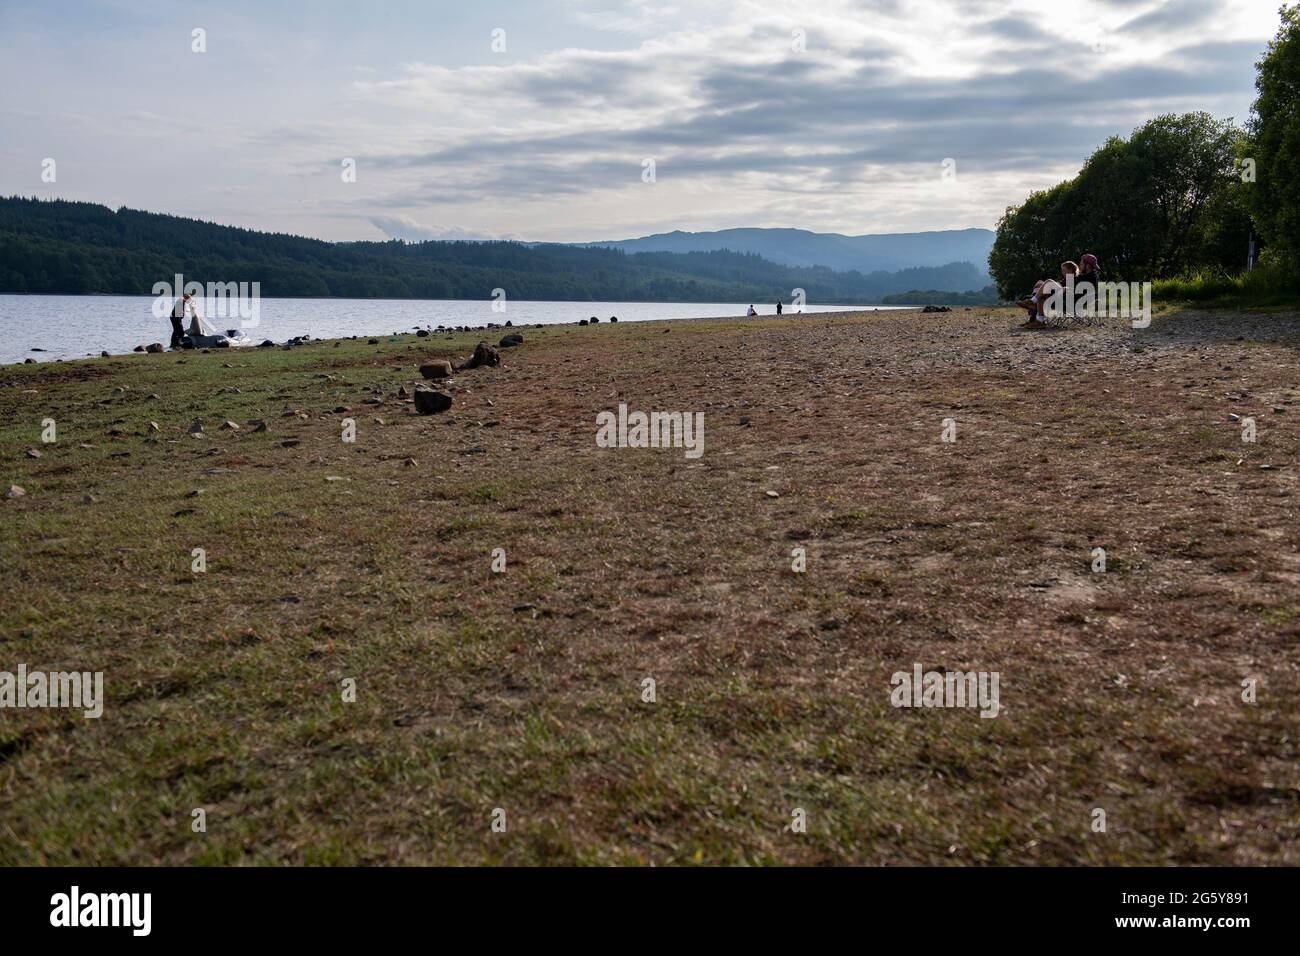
(1069, 272)
(1085, 283)
(751, 312)
(1047, 296)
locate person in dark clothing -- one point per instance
(778, 308)
(182, 305)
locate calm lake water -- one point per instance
(71, 326)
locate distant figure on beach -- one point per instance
(751, 311)
(778, 308)
(183, 305)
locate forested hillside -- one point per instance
(54, 246)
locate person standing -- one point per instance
(183, 305)
(778, 308)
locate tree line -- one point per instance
(57, 246)
(1185, 197)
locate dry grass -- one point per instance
(522, 690)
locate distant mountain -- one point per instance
(886, 252)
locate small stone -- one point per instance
(434, 368)
(154, 348)
(230, 426)
(771, 494)
(153, 427)
(290, 443)
(257, 425)
(429, 401)
(14, 491)
(33, 453)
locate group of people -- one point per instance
(1074, 276)
(753, 312)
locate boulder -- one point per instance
(138, 348)
(154, 347)
(936, 308)
(508, 341)
(421, 333)
(436, 368)
(613, 318)
(266, 344)
(484, 354)
(429, 401)
(594, 320)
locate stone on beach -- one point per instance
(436, 368)
(484, 354)
(14, 491)
(507, 341)
(429, 401)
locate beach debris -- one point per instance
(14, 491)
(434, 368)
(484, 354)
(429, 401)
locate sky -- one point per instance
(590, 119)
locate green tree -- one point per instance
(1274, 143)
(1162, 203)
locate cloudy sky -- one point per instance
(834, 115)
